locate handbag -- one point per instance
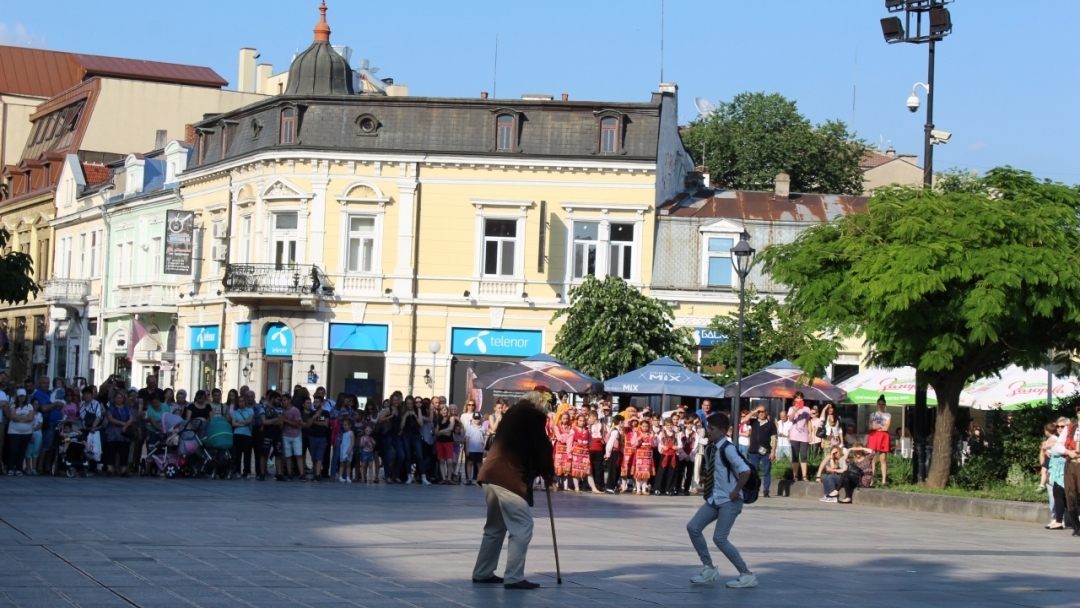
(821, 431)
(854, 472)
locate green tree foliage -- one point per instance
(771, 332)
(957, 285)
(16, 272)
(755, 136)
(957, 180)
(612, 328)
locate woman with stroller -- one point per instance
(118, 435)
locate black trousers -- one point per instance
(685, 475)
(613, 466)
(16, 450)
(1059, 501)
(665, 478)
(242, 454)
(847, 484)
(596, 459)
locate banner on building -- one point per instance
(179, 241)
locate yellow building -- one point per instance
(372, 243)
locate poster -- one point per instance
(179, 241)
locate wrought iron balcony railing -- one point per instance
(278, 279)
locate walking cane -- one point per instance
(551, 515)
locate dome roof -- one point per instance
(320, 70)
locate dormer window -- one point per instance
(504, 139)
(288, 125)
(609, 134)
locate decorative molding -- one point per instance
(497, 314)
(359, 310)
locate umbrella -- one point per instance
(782, 384)
(664, 377)
(1015, 388)
(543, 369)
(896, 384)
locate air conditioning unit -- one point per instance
(95, 344)
(219, 253)
(220, 231)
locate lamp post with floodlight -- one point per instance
(742, 257)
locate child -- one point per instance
(367, 457)
(34, 449)
(474, 442)
(614, 453)
(345, 449)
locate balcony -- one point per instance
(147, 295)
(275, 281)
(489, 289)
(67, 292)
(357, 284)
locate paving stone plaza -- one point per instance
(111, 542)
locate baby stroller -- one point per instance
(195, 459)
(219, 441)
(71, 457)
(162, 458)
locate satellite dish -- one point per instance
(704, 107)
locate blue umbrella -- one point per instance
(664, 377)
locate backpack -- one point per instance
(752, 486)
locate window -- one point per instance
(719, 261)
(500, 238)
(224, 140)
(95, 249)
(586, 237)
(288, 125)
(286, 221)
(621, 259)
(361, 243)
(63, 258)
(124, 253)
(155, 258)
(285, 239)
(43, 260)
(609, 134)
(504, 139)
(82, 256)
(245, 239)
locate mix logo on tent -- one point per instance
(664, 377)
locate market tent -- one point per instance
(664, 377)
(538, 370)
(781, 383)
(1016, 387)
(897, 384)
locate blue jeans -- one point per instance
(763, 466)
(724, 516)
(414, 452)
(394, 451)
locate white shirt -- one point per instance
(782, 430)
(4, 401)
(474, 436)
(723, 482)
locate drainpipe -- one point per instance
(225, 301)
(417, 198)
(106, 261)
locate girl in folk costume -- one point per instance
(629, 443)
(564, 439)
(597, 440)
(579, 452)
(668, 443)
(613, 453)
(644, 465)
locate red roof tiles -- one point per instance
(41, 73)
(95, 173)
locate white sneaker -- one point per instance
(341, 480)
(424, 479)
(408, 481)
(348, 480)
(745, 581)
(708, 575)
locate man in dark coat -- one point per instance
(520, 453)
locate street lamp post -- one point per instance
(938, 24)
(434, 347)
(742, 257)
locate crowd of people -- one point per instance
(309, 437)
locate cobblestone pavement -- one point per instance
(134, 542)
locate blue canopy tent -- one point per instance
(664, 377)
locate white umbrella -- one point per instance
(1017, 387)
(896, 384)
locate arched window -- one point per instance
(288, 125)
(504, 138)
(609, 134)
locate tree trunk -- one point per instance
(948, 398)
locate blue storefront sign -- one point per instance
(496, 342)
(708, 337)
(353, 336)
(204, 337)
(278, 340)
(243, 335)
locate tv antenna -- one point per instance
(705, 107)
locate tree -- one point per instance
(957, 285)
(749, 140)
(16, 269)
(957, 180)
(771, 332)
(612, 328)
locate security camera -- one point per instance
(939, 137)
(913, 103)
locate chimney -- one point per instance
(263, 73)
(246, 79)
(189, 134)
(706, 179)
(160, 139)
(783, 186)
(891, 152)
(566, 97)
(483, 94)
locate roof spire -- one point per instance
(322, 29)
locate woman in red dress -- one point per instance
(579, 452)
(629, 444)
(564, 437)
(878, 438)
(644, 465)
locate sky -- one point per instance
(1006, 79)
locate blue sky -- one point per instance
(1007, 78)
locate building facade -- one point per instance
(372, 243)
